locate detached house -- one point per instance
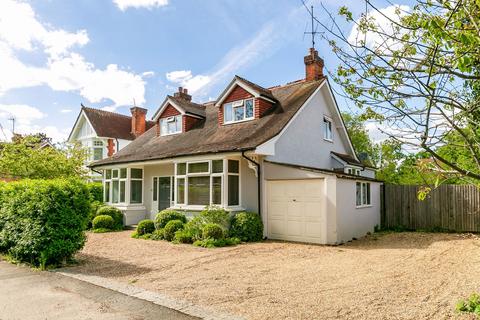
(281, 151)
(104, 133)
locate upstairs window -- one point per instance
(353, 171)
(170, 125)
(327, 129)
(238, 111)
(97, 150)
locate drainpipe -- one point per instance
(259, 182)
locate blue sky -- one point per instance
(57, 54)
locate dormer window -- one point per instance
(237, 111)
(171, 125)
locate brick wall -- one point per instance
(169, 111)
(188, 123)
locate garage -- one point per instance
(295, 210)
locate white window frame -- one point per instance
(239, 104)
(173, 119)
(127, 180)
(365, 194)
(353, 171)
(130, 179)
(98, 144)
(327, 129)
(224, 186)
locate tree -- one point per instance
(365, 148)
(417, 72)
(24, 158)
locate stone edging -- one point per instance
(154, 297)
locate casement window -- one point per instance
(353, 171)
(171, 125)
(363, 197)
(201, 183)
(327, 129)
(97, 150)
(238, 111)
(136, 185)
(116, 182)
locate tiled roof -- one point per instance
(189, 107)
(111, 124)
(208, 137)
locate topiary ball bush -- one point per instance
(247, 226)
(103, 222)
(163, 217)
(145, 227)
(212, 231)
(113, 212)
(172, 227)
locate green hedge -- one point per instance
(247, 226)
(42, 222)
(103, 222)
(96, 191)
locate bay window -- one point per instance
(238, 111)
(116, 182)
(201, 183)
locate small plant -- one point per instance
(163, 217)
(113, 212)
(212, 231)
(101, 230)
(183, 236)
(146, 236)
(103, 222)
(212, 243)
(247, 226)
(157, 235)
(471, 305)
(172, 227)
(145, 227)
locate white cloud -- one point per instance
(375, 40)
(148, 4)
(23, 114)
(148, 74)
(187, 80)
(66, 110)
(64, 69)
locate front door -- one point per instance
(162, 193)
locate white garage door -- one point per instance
(295, 210)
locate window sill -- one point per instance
(328, 140)
(170, 134)
(240, 121)
(364, 206)
(200, 208)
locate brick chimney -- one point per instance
(183, 94)
(139, 123)
(313, 66)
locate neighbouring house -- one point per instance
(281, 151)
(104, 133)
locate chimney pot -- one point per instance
(183, 94)
(185, 91)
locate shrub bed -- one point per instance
(145, 227)
(42, 222)
(172, 227)
(113, 212)
(247, 226)
(163, 217)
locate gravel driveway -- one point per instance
(384, 276)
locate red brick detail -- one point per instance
(220, 115)
(139, 122)
(313, 66)
(169, 111)
(188, 122)
(261, 106)
(110, 147)
(157, 128)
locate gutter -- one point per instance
(259, 182)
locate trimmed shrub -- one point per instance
(113, 212)
(247, 226)
(194, 227)
(212, 231)
(103, 222)
(183, 236)
(217, 215)
(42, 222)
(96, 191)
(163, 217)
(157, 235)
(212, 243)
(172, 227)
(145, 227)
(94, 206)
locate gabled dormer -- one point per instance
(178, 114)
(242, 101)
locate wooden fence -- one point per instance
(449, 207)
